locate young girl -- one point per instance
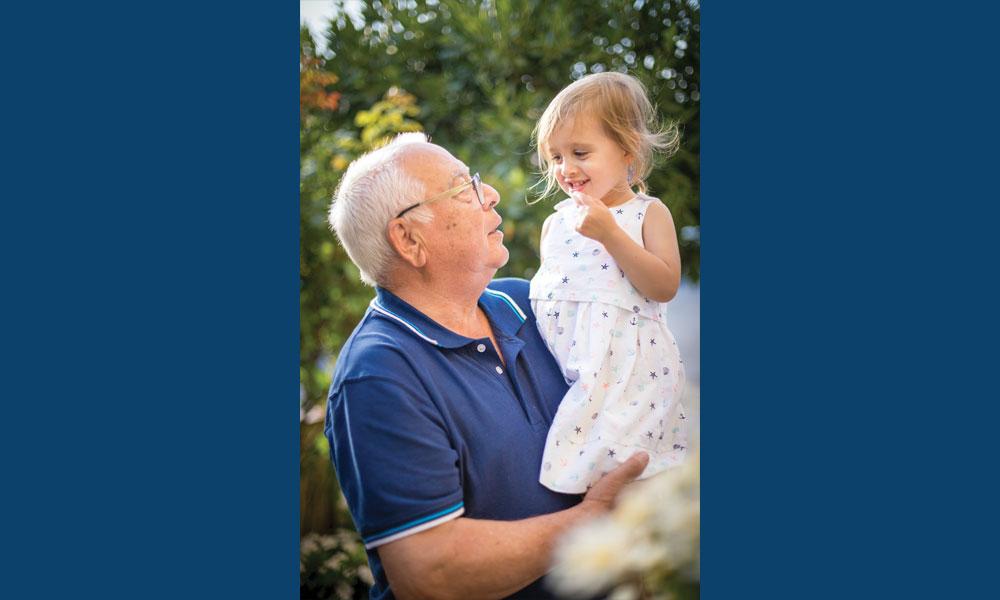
(609, 263)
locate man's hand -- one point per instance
(601, 497)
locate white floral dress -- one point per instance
(616, 353)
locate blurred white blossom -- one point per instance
(591, 557)
(649, 546)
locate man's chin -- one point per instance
(506, 257)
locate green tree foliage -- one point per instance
(475, 76)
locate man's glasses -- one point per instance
(475, 182)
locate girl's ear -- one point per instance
(407, 241)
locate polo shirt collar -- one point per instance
(504, 314)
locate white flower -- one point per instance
(591, 557)
(310, 543)
(624, 592)
(652, 535)
(333, 563)
(365, 575)
(637, 505)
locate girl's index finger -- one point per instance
(584, 199)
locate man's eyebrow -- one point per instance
(460, 173)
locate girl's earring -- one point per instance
(631, 173)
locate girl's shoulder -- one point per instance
(564, 204)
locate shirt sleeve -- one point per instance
(395, 463)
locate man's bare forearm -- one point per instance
(476, 558)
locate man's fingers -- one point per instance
(602, 495)
(630, 469)
(634, 466)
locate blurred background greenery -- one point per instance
(475, 76)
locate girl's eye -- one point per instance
(556, 158)
(581, 153)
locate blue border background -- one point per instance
(847, 203)
(152, 300)
(149, 243)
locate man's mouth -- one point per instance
(574, 186)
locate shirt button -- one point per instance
(499, 370)
(481, 347)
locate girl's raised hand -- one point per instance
(595, 220)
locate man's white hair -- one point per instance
(372, 191)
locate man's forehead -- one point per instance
(430, 162)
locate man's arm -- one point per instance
(474, 558)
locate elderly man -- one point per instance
(443, 395)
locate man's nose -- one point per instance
(491, 195)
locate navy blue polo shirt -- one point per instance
(426, 425)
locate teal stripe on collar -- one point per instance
(510, 302)
(383, 310)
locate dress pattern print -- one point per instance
(623, 366)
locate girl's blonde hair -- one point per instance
(620, 103)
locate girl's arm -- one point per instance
(545, 232)
(654, 270)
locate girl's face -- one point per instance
(584, 159)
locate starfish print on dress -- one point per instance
(652, 341)
(604, 267)
(652, 406)
(652, 374)
(649, 434)
(611, 453)
(605, 313)
(639, 216)
(577, 429)
(565, 279)
(620, 211)
(576, 255)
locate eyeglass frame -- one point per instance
(475, 181)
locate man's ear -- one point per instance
(407, 241)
